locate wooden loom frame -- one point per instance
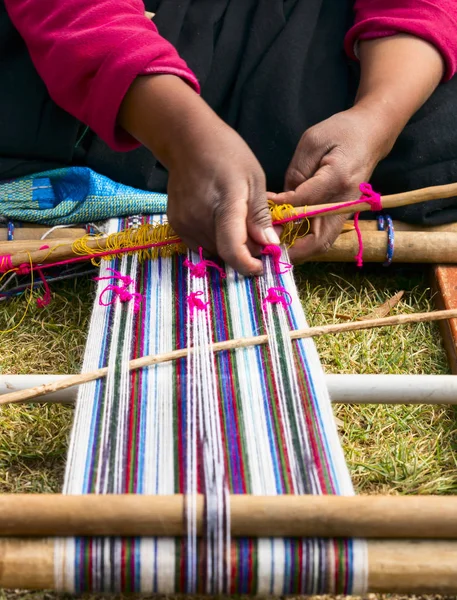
(412, 540)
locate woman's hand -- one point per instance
(398, 74)
(217, 197)
(216, 187)
(331, 160)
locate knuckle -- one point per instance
(310, 138)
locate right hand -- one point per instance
(216, 187)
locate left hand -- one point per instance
(331, 160)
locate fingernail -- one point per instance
(272, 236)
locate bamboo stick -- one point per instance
(401, 567)
(392, 200)
(372, 225)
(438, 247)
(36, 233)
(343, 389)
(32, 246)
(145, 361)
(410, 247)
(22, 252)
(369, 517)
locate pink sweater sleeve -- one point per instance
(89, 52)
(435, 22)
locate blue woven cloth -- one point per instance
(73, 195)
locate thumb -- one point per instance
(259, 223)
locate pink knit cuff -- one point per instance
(375, 28)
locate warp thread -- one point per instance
(383, 222)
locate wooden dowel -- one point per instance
(370, 517)
(437, 247)
(343, 389)
(401, 567)
(32, 246)
(392, 200)
(146, 361)
(372, 225)
(22, 252)
(36, 233)
(410, 247)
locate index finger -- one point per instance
(317, 190)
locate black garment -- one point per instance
(269, 68)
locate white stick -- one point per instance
(343, 389)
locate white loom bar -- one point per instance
(392, 389)
(343, 389)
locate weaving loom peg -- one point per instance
(146, 361)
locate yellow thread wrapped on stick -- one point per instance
(293, 229)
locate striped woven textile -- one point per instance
(73, 195)
(253, 420)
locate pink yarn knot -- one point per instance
(23, 269)
(200, 269)
(122, 293)
(194, 303)
(370, 196)
(275, 252)
(126, 279)
(277, 295)
(6, 264)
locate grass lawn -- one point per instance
(389, 449)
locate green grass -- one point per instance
(389, 449)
